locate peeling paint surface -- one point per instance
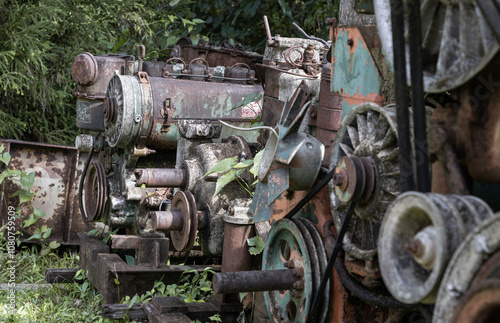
(57, 173)
(355, 77)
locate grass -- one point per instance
(76, 302)
(55, 303)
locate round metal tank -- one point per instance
(146, 110)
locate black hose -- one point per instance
(402, 111)
(311, 194)
(329, 267)
(417, 88)
(324, 42)
(364, 294)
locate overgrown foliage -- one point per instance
(40, 38)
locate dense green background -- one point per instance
(39, 39)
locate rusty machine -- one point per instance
(372, 209)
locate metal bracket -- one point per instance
(143, 77)
(166, 112)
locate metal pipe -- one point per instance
(417, 88)
(235, 257)
(254, 281)
(268, 32)
(167, 220)
(402, 111)
(161, 177)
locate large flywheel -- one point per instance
(365, 155)
(457, 41)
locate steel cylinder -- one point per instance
(254, 281)
(161, 177)
(167, 220)
(419, 234)
(235, 256)
(149, 108)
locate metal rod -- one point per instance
(161, 177)
(167, 220)
(417, 88)
(402, 111)
(268, 30)
(254, 281)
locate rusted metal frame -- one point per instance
(102, 268)
(402, 112)
(63, 217)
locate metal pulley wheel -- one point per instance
(419, 234)
(457, 41)
(481, 303)
(365, 158)
(470, 282)
(295, 244)
(184, 239)
(95, 190)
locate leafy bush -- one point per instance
(40, 38)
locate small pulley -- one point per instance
(95, 192)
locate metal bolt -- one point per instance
(298, 272)
(415, 247)
(338, 179)
(230, 210)
(299, 284)
(314, 114)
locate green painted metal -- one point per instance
(355, 76)
(285, 243)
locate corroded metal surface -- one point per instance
(356, 77)
(57, 172)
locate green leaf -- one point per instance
(117, 282)
(173, 2)
(54, 245)
(285, 8)
(130, 260)
(5, 157)
(27, 180)
(132, 301)
(252, 97)
(198, 21)
(9, 173)
(35, 236)
(226, 179)
(222, 166)
(244, 164)
(38, 213)
(256, 162)
(24, 195)
(256, 245)
(47, 233)
(44, 252)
